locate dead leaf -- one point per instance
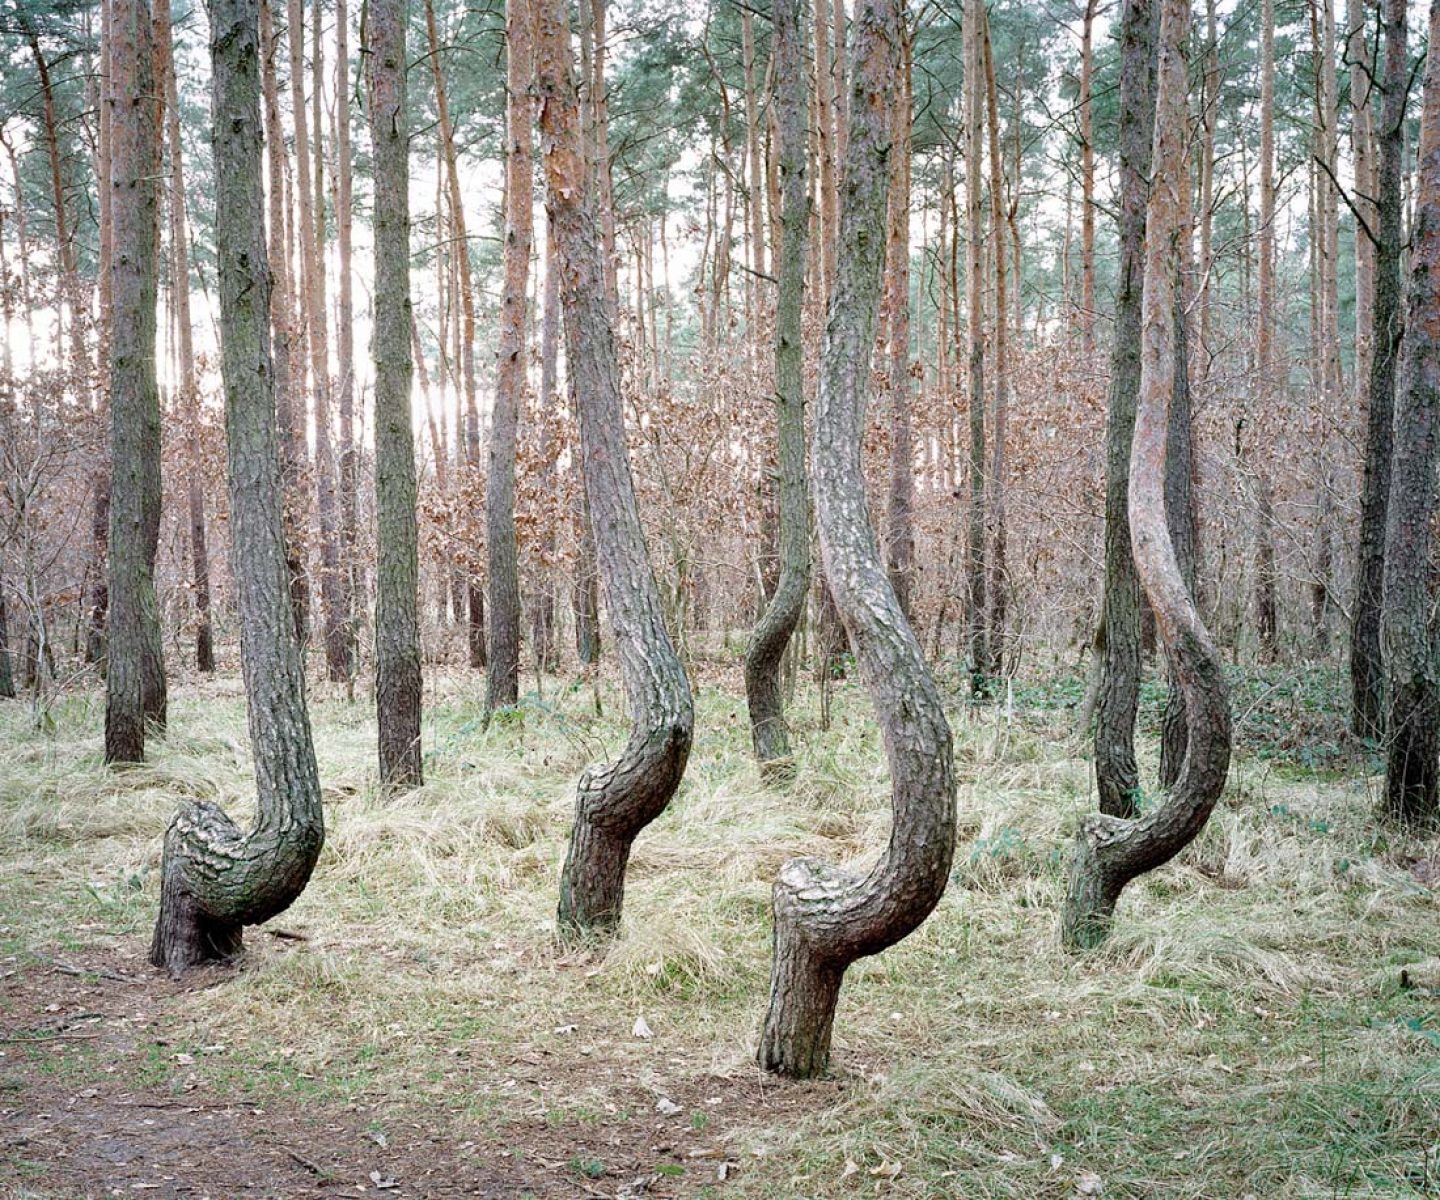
(1089, 1184)
(642, 1029)
(381, 1182)
(667, 1107)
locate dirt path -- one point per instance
(91, 1106)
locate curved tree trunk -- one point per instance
(1110, 851)
(397, 570)
(1413, 732)
(1367, 682)
(616, 801)
(1116, 775)
(772, 634)
(502, 683)
(825, 918)
(135, 681)
(215, 879)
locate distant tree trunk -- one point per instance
(900, 511)
(351, 572)
(768, 731)
(825, 129)
(1110, 851)
(1362, 135)
(1116, 776)
(135, 681)
(502, 683)
(189, 391)
(1332, 373)
(1087, 182)
(7, 677)
(547, 652)
(976, 605)
(617, 801)
(1366, 667)
(289, 366)
(1267, 620)
(826, 918)
(310, 235)
(397, 571)
(215, 879)
(999, 587)
(1210, 115)
(1413, 732)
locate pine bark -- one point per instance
(215, 879)
(768, 731)
(826, 918)
(1117, 777)
(397, 571)
(1367, 679)
(1000, 356)
(1111, 851)
(188, 398)
(351, 571)
(616, 801)
(900, 509)
(1412, 770)
(502, 683)
(135, 680)
(1268, 381)
(977, 607)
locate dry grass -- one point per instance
(1245, 1032)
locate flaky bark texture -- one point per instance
(502, 683)
(397, 569)
(1413, 732)
(1117, 778)
(768, 731)
(1110, 851)
(615, 801)
(135, 680)
(215, 879)
(826, 918)
(1367, 681)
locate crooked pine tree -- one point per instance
(826, 918)
(1109, 850)
(215, 879)
(617, 800)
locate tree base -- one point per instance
(592, 884)
(804, 992)
(186, 937)
(1088, 912)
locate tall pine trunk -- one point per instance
(215, 879)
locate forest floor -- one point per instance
(1265, 1021)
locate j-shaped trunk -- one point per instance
(615, 801)
(215, 878)
(826, 918)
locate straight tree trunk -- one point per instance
(977, 608)
(289, 366)
(1110, 851)
(1087, 182)
(7, 676)
(616, 801)
(826, 918)
(135, 680)
(547, 652)
(215, 879)
(900, 510)
(1270, 385)
(1366, 666)
(1117, 778)
(998, 589)
(188, 400)
(768, 731)
(398, 692)
(1413, 730)
(502, 683)
(1362, 138)
(351, 571)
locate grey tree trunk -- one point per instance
(1110, 851)
(1413, 732)
(615, 801)
(1367, 681)
(1117, 778)
(768, 731)
(7, 675)
(215, 879)
(824, 917)
(135, 680)
(502, 682)
(397, 572)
